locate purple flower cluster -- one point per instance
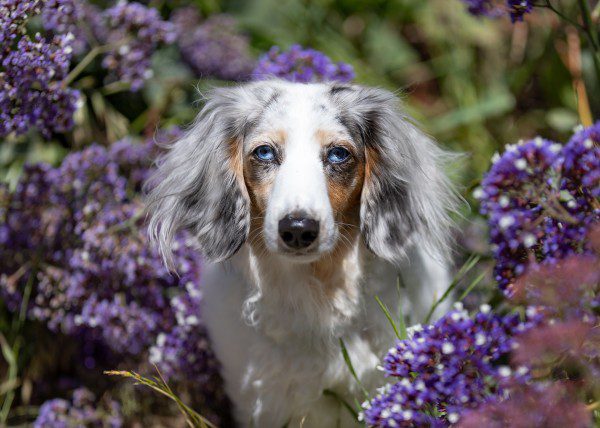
(135, 31)
(73, 242)
(301, 65)
(69, 17)
(75, 227)
(540, 199)
(446, 368)
(516, 9)
(213, 48)
(131, 31)
(32, 92)
(83, 410)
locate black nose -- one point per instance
(298, 231)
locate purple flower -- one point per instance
(537, 205)
(482, 7)
(445, 368)
(213, 48)
(71, 17)
(518, 8)
(74, 238)
(32, 92)
(82, 410)
(135, 31)
(301, 65)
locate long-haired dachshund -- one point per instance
(308, 200)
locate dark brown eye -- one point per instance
(337, 155)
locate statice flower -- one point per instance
(68, 229)
(518, 8)
(446, 368)
(32, 92)
(537, 205)
(213, 48)
(83, 410)
(76, 17)
(14, 14)
(301, 65)
(482, 7)
(135, 31)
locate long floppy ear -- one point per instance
(198, 185)
(406, 196)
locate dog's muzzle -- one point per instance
(297, 231)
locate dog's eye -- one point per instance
(337, 155)
(264, 153)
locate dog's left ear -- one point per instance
(406, 197)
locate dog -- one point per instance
(307, 201)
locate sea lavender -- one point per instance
(135, 31)
(14, 14)
(76, 17)
(445, 368)
(65, 230)
(537, 205)
(83, 410)
(32, 92)
(482, 7)
(213, 48)
(516, 9)
(301, 65)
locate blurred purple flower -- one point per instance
(301, 65)
(213, 48)
(135, 31)
(518, 8)
(83, 410)
(482, 7)
(71, 17)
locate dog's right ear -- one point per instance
(199, 186)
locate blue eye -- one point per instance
(264, 153)
(337, 155)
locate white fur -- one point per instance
(277, 365)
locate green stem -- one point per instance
(91, 55)
(550, 6)
(591, 33)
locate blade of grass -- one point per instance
(351, 367)
(193, 419)
(402, 321)
(10, 355)
(472, 286)
(466, 267)
(343, 402)
(388, 316)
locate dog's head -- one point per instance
(297, 169)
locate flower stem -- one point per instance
(591, 33)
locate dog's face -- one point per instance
(299, 169)
(304, 174)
